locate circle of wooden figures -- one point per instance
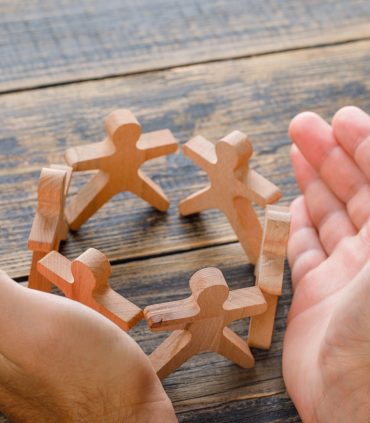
(200, 322)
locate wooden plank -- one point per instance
(45, 43)
(270, 409)
(209, 385)
(258, 96)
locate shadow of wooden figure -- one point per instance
(233, 187)
(49, 227)
(118, 159)
(200, 322)
(270, 273)
(85, 280)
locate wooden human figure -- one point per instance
(85, 280)
(233, 186)
(118, 159)
(200, 322)
(270, 272)
(49, 227)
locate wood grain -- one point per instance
(233, 188)
(200, 322)
(86, 280)
(258, 96)
(196, 385)
(45, 43)
(209, 386)
(276, 408)
(117, 160)
(61, 41)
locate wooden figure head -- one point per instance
(210, 291)
(234, 151)
(122, 127)
(91, 271)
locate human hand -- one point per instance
(326, 357)
(63, 362)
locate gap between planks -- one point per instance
(180, 66)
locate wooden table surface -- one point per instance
(197, 67)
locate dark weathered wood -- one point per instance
(209, 387)
(64, 40)
(276, 408)
(258, 96)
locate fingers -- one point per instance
(342, 266)
(328, 214)
(305, 251)
(351, 128)
(316, 141)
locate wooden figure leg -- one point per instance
(261, 327)
(172, 353)
(197, 202)
(150, 192)
(35, 279)
(235, 349)
(88, 200)
(247, 228)
(64, 231)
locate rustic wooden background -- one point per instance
(198, 67)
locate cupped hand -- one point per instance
(63, 362)
(326, 357)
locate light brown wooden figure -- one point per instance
(49, 227)
(270, 274)
(200, 322)
(85, 280)
(233, 186)
(118, 159)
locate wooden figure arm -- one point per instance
(120, 310)
(57, 269)
(172, 315)
(270, 274)
(261, 327)
(259, 189)
(273, 251)
(157, 144)
(244, 302)
(46, 230)
(89, 157)
(68, 177)
(43, 233)
(201, 151)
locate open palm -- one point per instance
(63, 362)
(326, 359)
